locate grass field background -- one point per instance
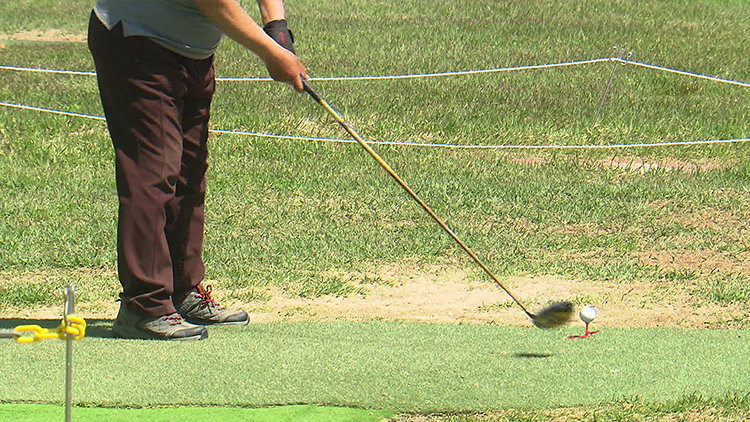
(307, 413)
(426, 368)
(285, 213)
(313, 219)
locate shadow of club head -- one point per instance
(531, 355)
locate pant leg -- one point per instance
(186, 227)
(141, 88)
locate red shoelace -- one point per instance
(174, 319)
(205, 296)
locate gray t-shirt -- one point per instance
(177, 25)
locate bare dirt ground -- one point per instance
(53, 35)
(435, 294)
(581, 415)
(441, 295)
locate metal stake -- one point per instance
(69, 310)
(617, 61)
(9, 334)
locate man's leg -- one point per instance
(185, 230)
(186, 210)
(140, 102)
(141, 97)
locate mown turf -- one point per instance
(375, 365)
(42, 413)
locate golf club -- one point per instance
(553, 315)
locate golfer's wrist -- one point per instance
(271, 10)
(269, 51)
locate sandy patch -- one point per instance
(635, 164)
(456, 295)
(53, 35)
(449, 295)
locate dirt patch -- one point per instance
(639, 165)
(454, 295)
(615, 411)
(53, 35)
(634, 164)
(700, 262)
(450, 295)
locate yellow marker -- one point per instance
(39, 333)
(76, 328)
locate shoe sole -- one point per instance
(206, 322)
(131, 334)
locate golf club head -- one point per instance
(554, 315)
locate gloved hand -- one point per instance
(280, 33)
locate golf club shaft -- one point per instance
(366, 146)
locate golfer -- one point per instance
(155, 68)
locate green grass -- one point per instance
(729, 408)
(307, 218)
(400, 367)
(40, 413)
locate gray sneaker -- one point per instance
(128, 324)
(198, 307)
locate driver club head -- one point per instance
(554, 315)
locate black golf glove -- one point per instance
(280, 33)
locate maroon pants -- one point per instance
(157, 107)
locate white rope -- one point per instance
(557, 146)
(411, 76)
(272, 136)
(437, 74)
(47, 110)
(51, 71)
(423, 75)
(682, 72)
(342, 78)
(411, 144)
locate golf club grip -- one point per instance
(310, 90)
(366, 146)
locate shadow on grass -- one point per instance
(532, 355)
(96, 328)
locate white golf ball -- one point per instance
(587, 314)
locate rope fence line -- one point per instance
(436, 74)
(51, 111)
(49, 71)
(340, 78)
(682, 72)
(413, 76)
(425, 75)
(337, 78)
(412, 144)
